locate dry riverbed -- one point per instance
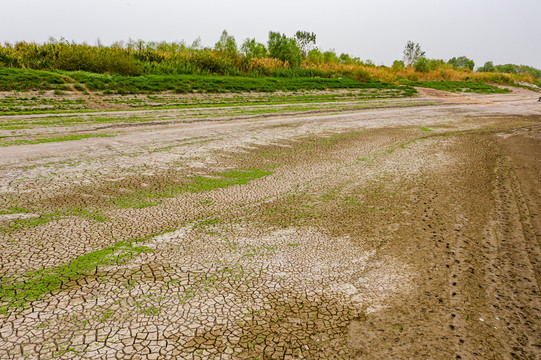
(381, 229)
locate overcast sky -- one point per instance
(503, 31)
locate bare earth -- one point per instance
(410, 231)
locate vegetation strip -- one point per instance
(17, 105)
(28, 79)
(459, 86)
(49, 140)
(41, 219)
(281, 57)
(216, 84)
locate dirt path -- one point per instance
(392, 233)
(94, 102)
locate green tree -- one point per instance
(315, 56)
(412, 53)
(140, 44)
(329, 56)
(369, 62)
(196, 44)
(305, 42)
(283, 48)
(462, 62)
(397, 65)
(226, 43)
(435, 64)
(488, 67)
(253, 49)
(507, 68)
(345, 59)
(422, 65)
(536, 73)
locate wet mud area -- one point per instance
(388, 234)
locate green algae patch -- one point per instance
(224, 179)
(43, 217)
(196, 184)
(15, 293)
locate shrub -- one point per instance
(360, 74)
(265, 66)
(412, 77)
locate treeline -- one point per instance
(510, 69)
(281, 56)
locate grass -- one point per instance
(49, 140)
(199, 107)
(459, 86)
(17, 293)
(39, 102)
(426, 129)
(161, 91)
(218, 84)
(25, 79)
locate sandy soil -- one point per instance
(389, 233)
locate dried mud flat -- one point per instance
(391, 233)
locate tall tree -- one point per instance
(284, 48)
(253, 49)
(196, 44)
(412, 53)
(226, 43)
(305, 41)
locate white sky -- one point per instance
(504, 31)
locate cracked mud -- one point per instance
(391, 233)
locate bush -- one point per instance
(412, 77)
(361, 75)
(99, 60)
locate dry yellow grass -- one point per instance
(387, 74)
